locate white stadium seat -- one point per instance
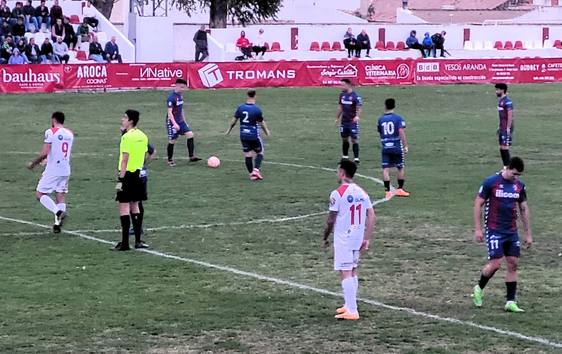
(231, 48)
(547, 44)
(537, 44)
(529, 45)
(468, 45)
(478, 45)
(488, 45)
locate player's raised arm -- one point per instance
(478, 203)
(42, 156)
(526, 219)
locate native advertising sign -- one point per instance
(31, 78)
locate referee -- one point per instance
(130, 189)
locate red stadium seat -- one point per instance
(81, 55)
(74, 19)
(275, 47)
(326, 47)
(508, 45)
(314, 47)
(337, 47)
(498, 45)
(557, 44)
(518, 45)
(390, 45)
(380, 45)
(266, 45)
(401, 46)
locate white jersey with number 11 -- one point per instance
(351, 203)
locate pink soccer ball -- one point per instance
(213, 162)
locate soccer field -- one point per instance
(237, 266)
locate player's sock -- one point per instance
(49, 203)
(137, 226)
(141, 210)
(249, 164)
(62, 207)
(125, 225)
(356, 282)
(387, 186)
(485, 279)
(400, 183)
(349, 294)
(345, 148)
(505, 157)
(511, 290)
(170, 152)
(258, 160)
(356, 150)
(190, 147)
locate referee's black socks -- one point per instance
(125, 226)
(137, 226)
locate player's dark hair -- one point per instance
(251, 93)
(133, 116)
(517, 164)
(58, 116)
(349, 167)
(390, 103)
(502, 86)
(346, 81)
(181, 81)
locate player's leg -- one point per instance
(258, 149)
(137, 224)
(355, 142)
(61, 206)
(505, 143)
(47, 202)
(512, 252)
(124, 216)
(345, 133)
(190, 142)
(344, 262)
(495, 256)
(400, 192)
(386, 181)
(172, 138)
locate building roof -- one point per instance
(467, 16)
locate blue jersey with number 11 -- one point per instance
(249, 115)
(389, 129)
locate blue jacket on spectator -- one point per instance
(412, 40)
(111, 48)
(427, 41)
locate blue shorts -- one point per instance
(252, 145)
(349, 130)
(393, 159)
(505, 138)
(174, 134)
(502, 245)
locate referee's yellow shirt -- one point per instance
(135, 143)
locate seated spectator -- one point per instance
(16, 12)
(89, 12)
(56, 12)
(61, 50)
(57, 30)
(6, 50)
(16, 58)
(201, 47)
(18, 30)
(112, 51)
(259, 44)
(5, 30)
(5, 12)
(29, 19)
(20, 45)
(96, 51)
(439, 43)
(70, 37)
(84, 32)
(427, 44)
(42, 14)
(32, 52)
(413, 43)
(363, 42)
(350, 43)
(47, 54)
(244, 45)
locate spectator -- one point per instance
(259, 44)
(18, 29)
(84, 32)
(112, 51)
(20, 45)
(413, 43)
(5, 30)
(89, 12)
(427, 44)
(16, 58)
(16, 12)
(42, 14)
(56, 12)
(201, 48)
(29, 19)
(47, 54)
(245, 46)
(61, 50)
(405, 4)
(349, 42)
(32, 52)
(363, 42)
(6, 50)
(70, 37)
(439, 43)
(96, 51)
(57, 30)
(5, 12)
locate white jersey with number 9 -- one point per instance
(58, 160)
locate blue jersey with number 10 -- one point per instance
(249, 115)
(389, 129)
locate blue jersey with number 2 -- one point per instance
(249, 115)
(389, 129)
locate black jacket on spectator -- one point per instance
(29, 49)
(28, 10)
(5, 29)
(438, 40)
(47, 49)
(56, 12)
(17, 12)
(5, 53)
(200, 36)
(42, 11)
(95, 48)
(18, 29)
(5, 12)
(363, 41)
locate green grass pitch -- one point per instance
(62, 293)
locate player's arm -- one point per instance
(403, 139)
(357, 117)
(264, 127)
(172, 119)
(338, 115)
(369, 228)
(150, 154)
(330, 222)
(478, 203)
(509, 118)
(526, 219)
(232, 125)
(123, 167)
(42, 156)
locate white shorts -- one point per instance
(49, 184)
(345, 258)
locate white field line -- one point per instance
(295, 285)
(38, 233)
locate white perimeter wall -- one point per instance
(154, 40)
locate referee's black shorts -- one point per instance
(133, 188)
